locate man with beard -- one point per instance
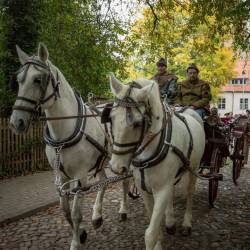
(166, 81)
(194, 92)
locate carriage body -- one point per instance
(215, 154)
(240, 135)
(217, 136)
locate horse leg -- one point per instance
(169, 216)
(97, 209)
(64, 204)
(187, 222)
(124, 202)
(79, 235)
(148, 202)
(153, 235)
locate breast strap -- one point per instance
(163, 149)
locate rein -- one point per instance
(66, 117)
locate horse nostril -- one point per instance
(123, 170)
(21, 124)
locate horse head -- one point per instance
(37, 88)
(131, 117)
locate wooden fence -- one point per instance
(21, 154)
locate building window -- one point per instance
(222, 103)
(243, 103)
(239, 81)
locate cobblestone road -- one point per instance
(225, 227)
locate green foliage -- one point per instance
(231, 17)
(83, 38)
(214, 59)
(83, 43)
(18, 22)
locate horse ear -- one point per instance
(115, 84)
(23, 57)
(43, 52)
(143, 94)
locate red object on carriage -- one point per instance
(226, 120)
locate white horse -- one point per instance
(138, 117)
(41, 84)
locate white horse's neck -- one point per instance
(65, 105)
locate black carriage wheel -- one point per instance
(216, 161)
(238, 161)
(133, 192)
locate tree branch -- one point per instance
(156, 19)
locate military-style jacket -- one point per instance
(195, 94)
(168, 86)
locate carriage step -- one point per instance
(214, 176)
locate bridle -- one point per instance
(128, 103)
(46, 78)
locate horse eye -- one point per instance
(37, 80)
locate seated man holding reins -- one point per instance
(166, 81)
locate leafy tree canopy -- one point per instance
(83, 40)
(230, 17)
(212, 54)
(82, 36)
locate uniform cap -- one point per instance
(193, 66)
(162, 61)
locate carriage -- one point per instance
(72, 167)
(223, 140)
(216, 152)
(239, 156)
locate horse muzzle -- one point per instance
(118, 170)
(19, 125)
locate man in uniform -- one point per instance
(166, 82)
(194, 92)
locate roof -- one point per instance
(243, 71)
(236, 88)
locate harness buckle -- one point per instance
(168, 143)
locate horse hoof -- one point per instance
(83, 236)
(97, 223)
(186, 231)
(171, 230)
(123, 217)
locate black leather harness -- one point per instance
(164, 145)
(163, 149)
(76, 136)
(79, 130)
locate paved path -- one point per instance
(225, 227)
(24, 195)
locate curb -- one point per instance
(28, 213)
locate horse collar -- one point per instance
(76, 135)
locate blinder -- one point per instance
(44, 82)
(129, 116)
(105, 116)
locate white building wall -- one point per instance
(233, 102)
